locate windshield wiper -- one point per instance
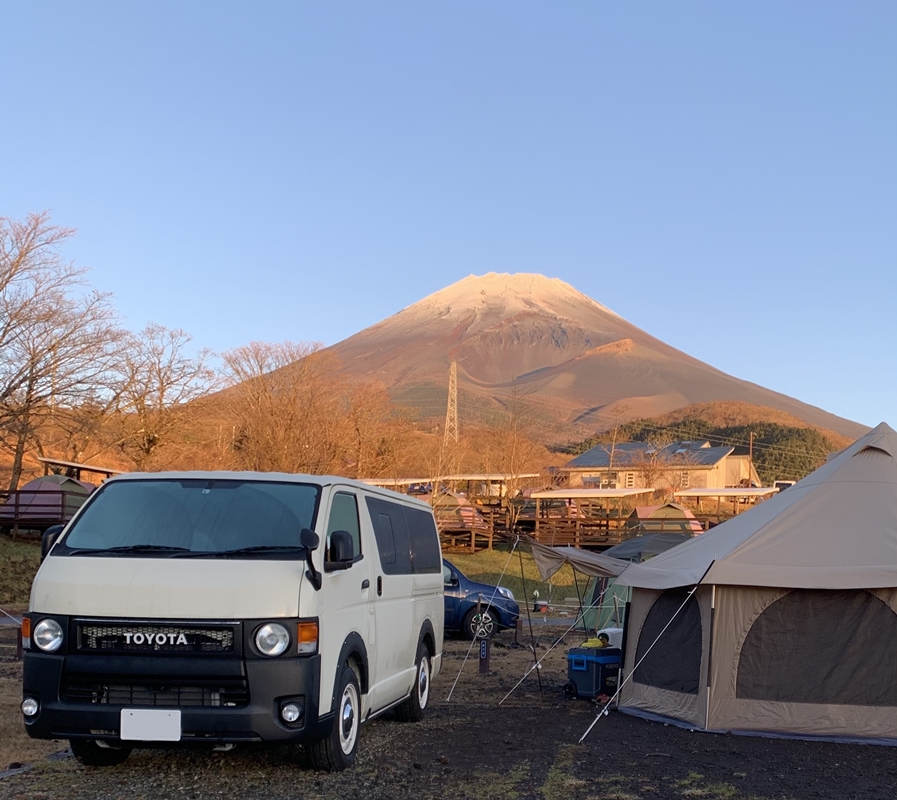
(130, 548)
(239, 551)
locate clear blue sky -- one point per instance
(723, 175)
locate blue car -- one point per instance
(463, 598)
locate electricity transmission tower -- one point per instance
(451, 411)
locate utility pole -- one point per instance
(451, 411)
(751, 460)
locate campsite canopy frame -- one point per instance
(72, 469)
(737, 496)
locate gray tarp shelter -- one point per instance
(641, 548)
(550, 559)
(792, 627)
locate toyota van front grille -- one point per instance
(155, 638)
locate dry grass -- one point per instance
(472, 747)
(19, 561)
(15, 745)
(503, 568)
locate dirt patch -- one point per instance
(471, 746)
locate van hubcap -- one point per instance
(423, 682)
(348, 720)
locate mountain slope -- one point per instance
(540, 339)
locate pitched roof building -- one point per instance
(678, 465)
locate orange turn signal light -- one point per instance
(307, 637)
(26, 627)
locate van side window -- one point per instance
(386, 539)
(344, 517)
(406, 538)
(391, 532)
(426, 556)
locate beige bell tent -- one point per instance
(782, 620)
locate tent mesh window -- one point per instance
(674, 661)
(819, 646)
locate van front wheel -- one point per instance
(412, 710)
(337, 750)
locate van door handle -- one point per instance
(365, 584)
(379, 585)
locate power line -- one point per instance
(673, 429)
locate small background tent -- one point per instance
(792, 625)
(641, 548)
(45, 501)
(666, 518)
(453, 511)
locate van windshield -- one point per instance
(194, 518)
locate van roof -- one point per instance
(279, 477)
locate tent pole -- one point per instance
(582, 612)
(710, 656)
(529, 618)
(602, 712)
(473, 640)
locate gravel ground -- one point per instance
(469, 746)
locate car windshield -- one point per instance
(194, 518)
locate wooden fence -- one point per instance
(595, 532)
(25, 510)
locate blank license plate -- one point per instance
(150, 725)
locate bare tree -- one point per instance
(651, 463)
(618, 411)
(662, 468)
(58, 338)
(287, 407)
(511, 448)
(442, 459)
(78, 431)
(678, 467)
(158, 384)
(375, 433)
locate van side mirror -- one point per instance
(310, 541)
(342, 549)
(48, 539)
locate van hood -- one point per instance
(165, 588)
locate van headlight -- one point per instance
(272, 639)
(506, 592)
(48, 635)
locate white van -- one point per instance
(226, 607)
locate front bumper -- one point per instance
(97, 716)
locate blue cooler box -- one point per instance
(592, 671)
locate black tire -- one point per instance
(93, 753)
(412, 710)
(337, 750)
(480, 625)
(570, 691)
